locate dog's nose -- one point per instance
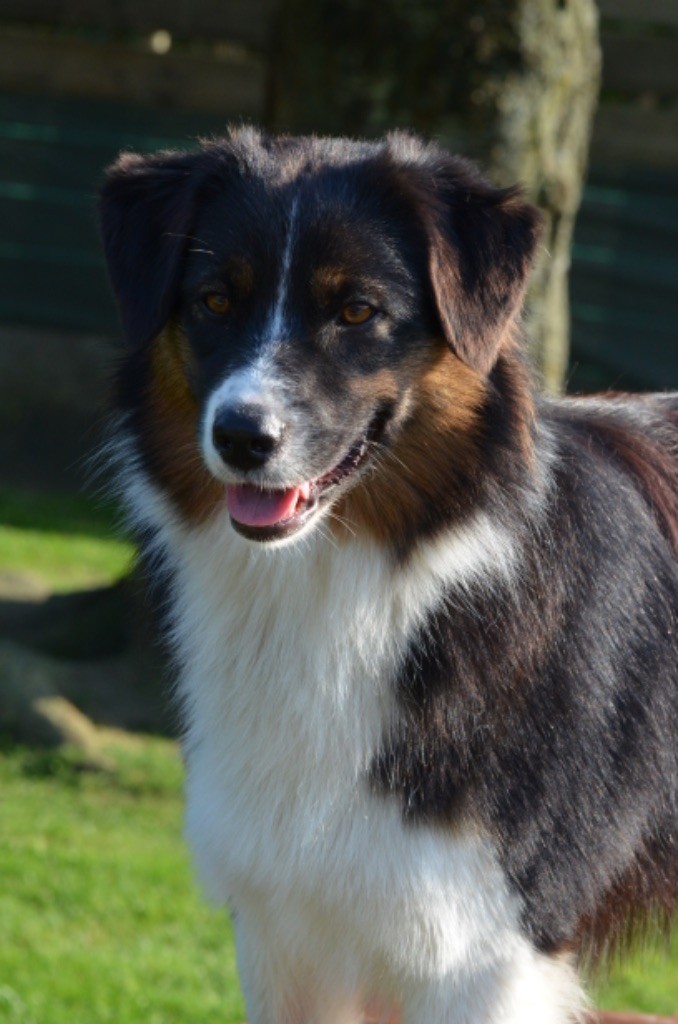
(246, 437)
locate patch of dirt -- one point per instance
(21, 587)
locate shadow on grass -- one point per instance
(60, 513)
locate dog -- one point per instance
(423, 620)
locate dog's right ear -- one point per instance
(146, 210)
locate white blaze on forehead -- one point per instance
(274, 329)
(256, 383)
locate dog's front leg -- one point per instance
(451, 999)
(267, 982)
(278, 991)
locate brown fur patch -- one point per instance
(326, 282)
(436, 451)
(241, 276)
(171, 422)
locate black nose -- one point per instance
(246, 437)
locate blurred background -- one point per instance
(575, 99)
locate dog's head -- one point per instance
(287, 302)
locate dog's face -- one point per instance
(289, 301)
(306, 313)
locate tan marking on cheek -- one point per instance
(171, 430)
(382, 386)
(434, 452)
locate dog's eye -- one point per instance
(356, 313)
(217, 303)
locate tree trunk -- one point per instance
(512, 83)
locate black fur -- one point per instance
(547, 709)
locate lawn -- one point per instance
(100, 920)
(65, 543)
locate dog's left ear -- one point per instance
(481, 245)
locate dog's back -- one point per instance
(640, 433)
(633, 441)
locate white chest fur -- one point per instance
(285, 678)
(286, 664)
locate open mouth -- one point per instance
(262, 515)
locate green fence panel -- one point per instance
(624, 285)
(52, 155)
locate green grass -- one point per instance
(58, 513)
(646, 982)
(99, 918)
(63, 543)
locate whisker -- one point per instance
(326, 535)
(385, 451)
(342, 521)
(188, 238)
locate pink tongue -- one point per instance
(254, 507)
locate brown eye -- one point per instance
(217, 303)
(356, 313)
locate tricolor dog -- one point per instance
(423, 620)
